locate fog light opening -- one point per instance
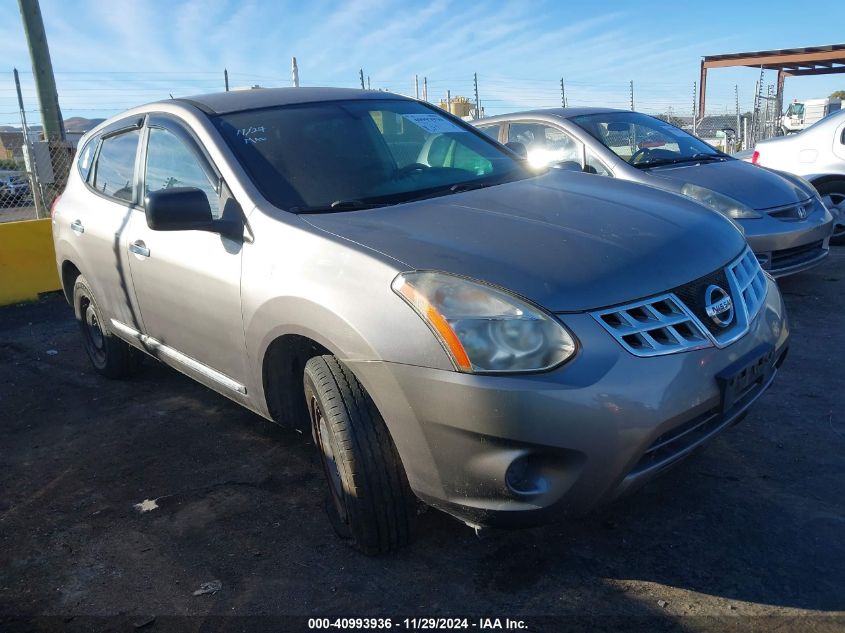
(525, 476)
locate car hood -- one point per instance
(755, 187)
(566, 241)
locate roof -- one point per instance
(809, 60)
(11, 139)
(236, 100)
(561, 113)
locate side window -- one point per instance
(545, 144)
(469, 160)
(115, 171)
(86, 157)
(594, 166)
(492, 130)
(170, 163)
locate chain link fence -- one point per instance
(33, 175)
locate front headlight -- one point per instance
(482, 328)
(719, 202)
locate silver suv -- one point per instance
(506, 345)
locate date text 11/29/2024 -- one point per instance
(418, 624)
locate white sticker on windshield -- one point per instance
(433, 123)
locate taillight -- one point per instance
(755, 157)
(54, 205)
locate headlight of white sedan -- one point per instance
(719, 202)
(482, 328)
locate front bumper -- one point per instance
(787, 247)
(525, 449)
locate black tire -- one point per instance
(370, 502)
(834, 192)
(109, 355)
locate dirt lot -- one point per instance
(752, 525)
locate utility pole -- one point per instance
(294, 72)
(368, 83)
(37, 198)
(449, 101)
(694, 92)
(416, 86)
(361, 77)
(477, 104)
(42, 69)
(736, 98)
(226, 79)
(632, 95)
(562, 94)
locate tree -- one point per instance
(839, 94)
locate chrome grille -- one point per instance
(749, 283)
(677, 322)
(653, 327)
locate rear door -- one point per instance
(98, 223)
(188, 282)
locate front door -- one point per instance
(188, 282)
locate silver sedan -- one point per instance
(785, 222)
(817, 154)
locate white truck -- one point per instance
(801, 114)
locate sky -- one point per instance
(109, 55)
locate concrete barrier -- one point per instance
(27, 260)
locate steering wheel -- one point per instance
(407, 170)
(643, 151)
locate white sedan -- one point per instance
(818, 155)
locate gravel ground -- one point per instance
(747, 533)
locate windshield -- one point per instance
(644, 141)
(353, 154)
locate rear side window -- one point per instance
(115, 172)
(170, 163)
(86, 157)
(492, 130)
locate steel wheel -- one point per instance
(328, 459)
(95, 341)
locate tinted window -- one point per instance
(369, 150)
(492, 130)
(86, 157)
(115, 171)
(545, 144)
(170, 163)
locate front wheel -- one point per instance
(833, 195)
(369, 500)
(109, 355)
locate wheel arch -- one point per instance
(285, 348)
(821, 179)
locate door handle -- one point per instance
(76, 227)
(139, 248)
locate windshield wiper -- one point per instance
(676, 161)
(339, 205)
(468, 186)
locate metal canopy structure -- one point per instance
(789, 62)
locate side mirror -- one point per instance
(568, 165)
(178, 209)
(518, 149)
